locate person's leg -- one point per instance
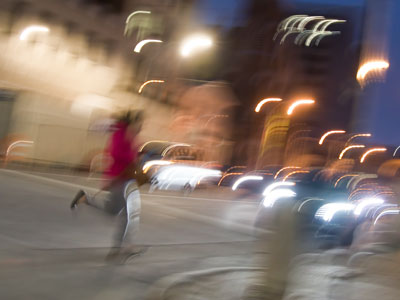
(99, 200)
(128, 217)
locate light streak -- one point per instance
(318, 24)
(322, 139)
(227, 175)
(128, 19)
(151, 163)
(306, 20)
(297, 103)
(174, 146)
(328, 211)
(348, 148)
(358, 135)
(292, 18)
(386, 212)
(245, 178)
(352, 184)
(148, 82)
(215, 117)
(342, 177)
(371, 151)
(274, 185)
(235, 167)
(330, 22)
(367, 202)
(149, 142)
(395, 151)
(262, 102)
(140, 45)
(33, 29)
(377, 65)
(285, 168)
(287, 34)
(294, 172)
(274, 195)
(308, 200)
(17, 143)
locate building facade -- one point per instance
(56, 83)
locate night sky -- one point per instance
(228, 12)
(380, 100)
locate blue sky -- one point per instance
(219, 11)
(227, 12)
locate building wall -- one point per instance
(80, 72)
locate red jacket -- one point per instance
(122, 150)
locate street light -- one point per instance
(140, 45)
(297, 103)
(32, 29)
(371, 151)
(194, 44)
(321, 141)
(262, 102)
(147, 82)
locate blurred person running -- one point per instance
(122, 197)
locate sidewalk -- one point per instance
(325, 276)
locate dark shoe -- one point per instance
(114, 256)
(79, 198)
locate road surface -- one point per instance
(49, 252)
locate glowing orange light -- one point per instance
(294, 172)
(376, 65)
(348, 148)
(148, 82)
(371, 151)
(235, 167)
(226, 175)
(174, 146)
(285, 168)
(321, 141)
(262, 102)
(358, 135)
(17, 143)
(342, 177)
(297, 103)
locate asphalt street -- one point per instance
(48, 252)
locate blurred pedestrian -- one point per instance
(119, 195)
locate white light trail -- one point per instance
(32, 29)
(245, 178)
(328, 211)
(140, 45)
